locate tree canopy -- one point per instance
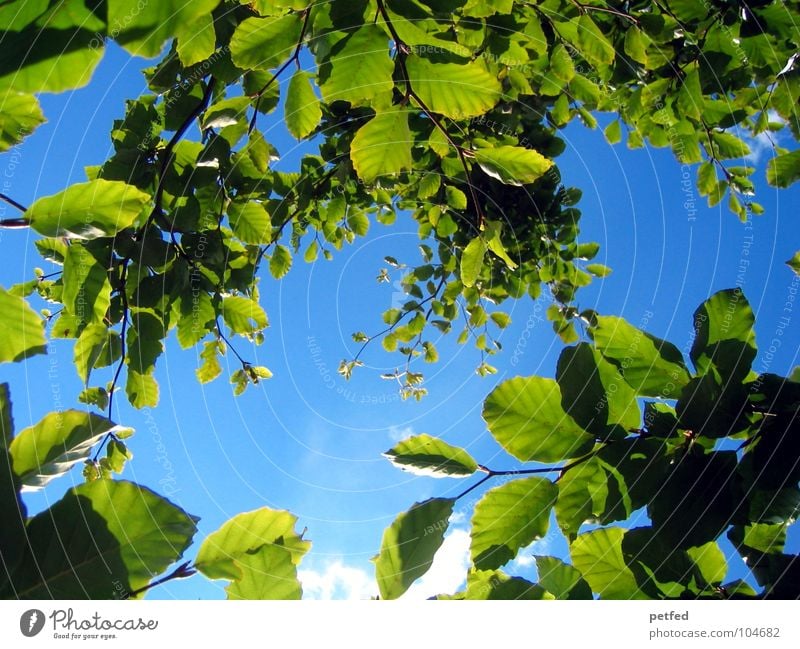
(449, 111)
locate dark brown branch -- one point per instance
(181, 572)
(123, 348)
(169, 150)
(13, 203)
(583, 8)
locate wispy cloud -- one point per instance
(449, 569)
(340, 581)
(337, 581)
(398, 433)
(527, 556)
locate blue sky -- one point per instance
(308, 441)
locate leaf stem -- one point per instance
(181, 572)
(15, 204)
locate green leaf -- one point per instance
(561, 579)
(430, 456)
(582, 495)
(269, 573)
(6, 420)
(508, 518)
(697, 499)
(54, 445)
(636, 45)
(729, 146)
(53, 47)
(250, 222)
(382, 147)
(527, 419)
(87, 289)
(710, 561)
(54, 250)
(100, 208)
(280, 262)
(598, 270)
(472, 261)
(210, 367)
(561, 63)
(651, 366)
(455, 198)
(587, 250)
(763, 537)
(496, 585)
(613, 132)
(21, 329)
(409, 544)
(196, 42)
(706, 178)
(358, 222)
(594, 393)
(783, 170)
(513, 165)
(82, 548)
(302, 107)
(226, 112)
(598, 557)
(142, 389)
(243, 315)
(690, 96)
(593, 44)
(359, 69)
(794, 263)
(312, 252)
(264, 43)
(20, 114)
(457, 91)
(724, 335)
(143, 27)
(221, 551)
(88, 348)
(13, 540)
(258, 552)
(94, 397)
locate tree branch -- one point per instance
(181, 572)
(13, 203)
(169, 149)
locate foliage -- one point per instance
(448, 110)
(714, 455)
(114, 535)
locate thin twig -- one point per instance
(181, 572)
(13, 203)
(169, 149)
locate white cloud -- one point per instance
(527, 556)
(398, 433)
(449, 569)
(761, 146)
(337, 581)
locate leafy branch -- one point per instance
(402, 51)
(295, 58)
